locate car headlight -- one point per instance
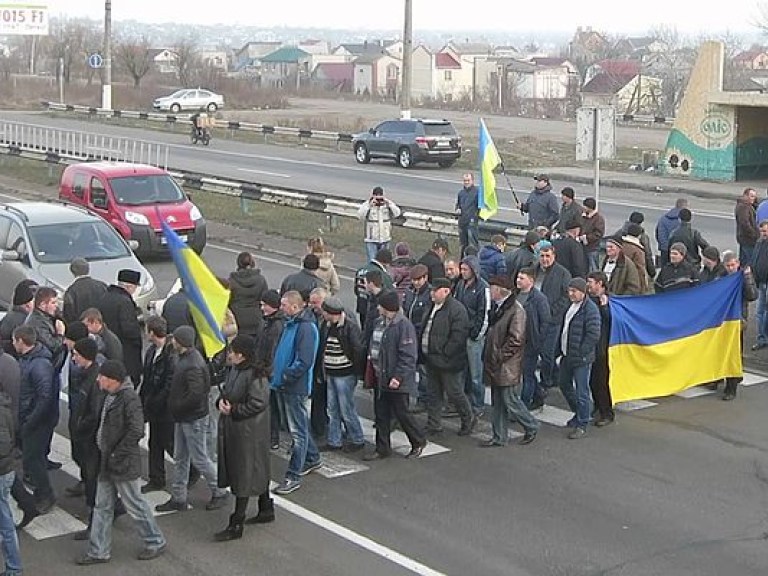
(136, 218)
(195, 214)
(148, 285)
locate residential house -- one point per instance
(334, 76)
(506, 52)
(586, 47)
(163, 60)
(369, 48)
(756, 58)
(632, 47)
(462, 79)
(314, 47)
(247, 60)
(214, 58)
(285, 67)
(621, 83)
(377, 75)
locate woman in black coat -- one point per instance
(243, 441)
(247, 287)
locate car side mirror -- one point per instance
(9, 256)
(133, 245)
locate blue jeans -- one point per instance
(190, 446)
(468, 236)
(592, 261)
(371, 248)
(761, 314)
(100, 545)
(531, 388)
(304, 450)
(8, 527)
(473, 386)
(548, 353)
(341, 408)
(574, 384)
(507, 403)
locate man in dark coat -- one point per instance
(84, 292)
(522, 256)
(247, 286)
(570, 210)
(417, 301)
(381, 264)
(443, 345)
(592, 231)
(121, 426)
(108, 342)
(541, 205)
(538, 317)
(667, 224)
(746, 225)
(305, 280)
(433, 259)
(690, 236)
(599, 376)
(467, 213)
(119, 312)
(678, 273)
(48, 326)
(502, 364)
(265, 354)
(23, 304)
(570, 252)
(243, 438)
(176, 311)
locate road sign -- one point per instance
(595, 133)
(95, 60)
(23, 18)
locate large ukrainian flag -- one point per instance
(662, 344)
(489, 159)
(208, 299)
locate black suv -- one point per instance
(408, 142)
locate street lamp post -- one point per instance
(405, 99)
(106, 89)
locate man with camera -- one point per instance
(377, 212)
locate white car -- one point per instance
(190, 99)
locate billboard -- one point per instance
(23, 18)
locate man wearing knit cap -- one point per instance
(502, 364)
(592, 231)
(623, 276)
(188, 403)
(417, 302)
(392, 354)
(541, 205)
(522, 256)
(305, 280)
(678, 273)
(23, 304)
(570, 210)
(118, 310)
(690, 236)
(712, 268)
(443, 345)
(120, 428)
(84, 292)
(579, 335)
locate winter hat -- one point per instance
(389, 300)
(711, 253)
(402, 249)
(543, 177)
(568, 192)
(572, 224)
(635, 230)
(114, 370)
(23, 293)
(500, 280)
(75, 331)
(271, 298)
(438, 283)
(531, 238)
(685, 215)
(333, 305)
(311, 262)
(184, 336)
(129, 277)
(87, 348)
(243, 344)
(418, 271)
(679, 247)
(578, 284)
(615, 240)
(637, 218)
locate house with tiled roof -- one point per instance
(377, 75)
(622, 84)
(633, 46)
(163, 60)
(286, 66)
(247, 60)
(352, 50)
(756, 58)
(334, 76)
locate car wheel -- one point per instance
(404, 158)
(175, 108)
(361, 154)
(212, 107)
(446, 163)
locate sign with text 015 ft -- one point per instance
(18, 18)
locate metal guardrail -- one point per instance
(267, 130)
(81, 146)
(437, 222)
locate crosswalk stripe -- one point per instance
(632, 405)
(694, 392)
(399, 441)
(751, 378)
(553, 415)
(334, 465)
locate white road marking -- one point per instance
(276, 174)
(334, 464)
(553, 415)
(399, 441)
(751, 378)
(694, 392)
(355, 538)
(632, 405)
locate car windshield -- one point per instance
(439, 130)
(143, 190)
(60, 243)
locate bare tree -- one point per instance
(187, 59)
(671, 61)
(134, 57)
(67, 44)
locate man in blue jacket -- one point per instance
(538, 317)
(292, 376)
(467, 212)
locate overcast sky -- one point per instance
(688, 16)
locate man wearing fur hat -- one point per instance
(118, 310)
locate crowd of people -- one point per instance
(427, 337)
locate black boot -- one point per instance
(232, 532)
(266, 511)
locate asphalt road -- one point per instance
(424, 187)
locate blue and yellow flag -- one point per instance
(662, 344)
(489, 160)
(208, 299)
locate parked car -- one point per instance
(190, 99)
(409, 142)
(38, 240)
(134, 198)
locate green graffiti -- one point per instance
(716, 127)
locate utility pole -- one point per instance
(405, 97)
(106, 89)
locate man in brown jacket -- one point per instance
(502, 363)
(746, 225)
(623, 277)
(633, 250)
(592, 231)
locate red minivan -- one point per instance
(133, 198)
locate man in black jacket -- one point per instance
(442, 345)
(23, 304)
(305, 280)
(109, 344)
(121, 426)
(760, 271)
(570, 252)
(48, 326)
(597, 285)
(467, 213)
(266, 344)
(188, 403)
(119, 312)
(433, 259)
(522, 256)
(416, 303)
(84, 292)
